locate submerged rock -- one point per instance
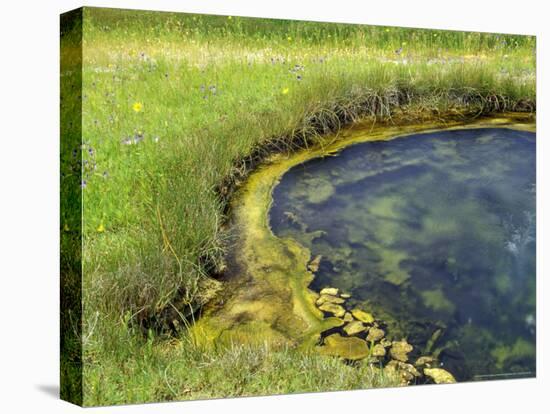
(399, 350)
(354, 328)
(329, 299)
(345, 347)
(407, 372)
(378, 351)
(425, 362)
(333, 308)
(375, 334)
(362, 316)
(386, 343)
(348, 317)
(329, 291)
(439, 375)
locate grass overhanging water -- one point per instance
(175, 110)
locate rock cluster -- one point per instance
(362, 337)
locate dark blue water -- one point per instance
(435, 234)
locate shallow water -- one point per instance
(435, 234)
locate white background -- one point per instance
(29, 56)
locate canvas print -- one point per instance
(252, 206)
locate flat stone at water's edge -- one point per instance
(345, 347)
(354, 327)
(386, 343)
(425, 361)
(399, 350)
(333, 308)
(329, 291)
(407, 371)
(362, 316)
(439, 375)
(378, 350)
(375, 334)
(324, 298)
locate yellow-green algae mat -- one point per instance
(267, 300)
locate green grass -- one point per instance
(205, 96)
(162, 370)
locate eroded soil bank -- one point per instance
(266, 297)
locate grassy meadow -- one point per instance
(176, 108)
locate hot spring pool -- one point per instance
(433, 232)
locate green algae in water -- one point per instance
(435, 234)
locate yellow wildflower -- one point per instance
(285, 91)
(66, 227)
(289, 38)
(100, 228)
(137, 106)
